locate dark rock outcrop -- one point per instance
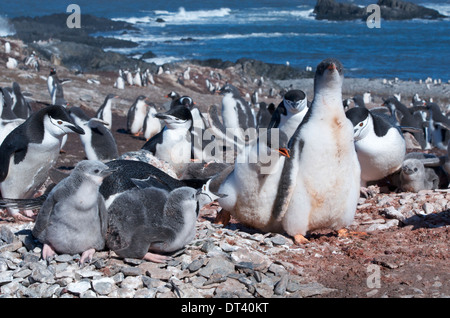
(389, 10)
(30, 29)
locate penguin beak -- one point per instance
(76, 128)
(284, 152)
(107, 172)
(331, 67)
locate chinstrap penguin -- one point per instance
(379, 144)
(30, 150)
(173, 143)
(73, 218)
(98, 141)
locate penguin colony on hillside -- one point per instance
(302, 170)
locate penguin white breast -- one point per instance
(27, 176)
(380, 156)
(229, 112)
(327, 177)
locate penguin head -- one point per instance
(177, 117)
(186, 101)
(412, 168)
(205, 195)
(173, 95)
(182, 200)
(229, 89)
(360, 118)
(58, 122)
(52, 71)
(295, 101)
(93, 170)
(329, 74)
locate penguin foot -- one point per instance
(87, 255)
(300, 239)
(347, 233)
(48, 252)
(156, 258)
(223, 217)
(26, 217)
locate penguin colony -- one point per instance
(305, 173)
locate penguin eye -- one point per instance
(96, 171)
(59, 122)
(361, 124)
(415, 169)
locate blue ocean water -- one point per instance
(270, 31)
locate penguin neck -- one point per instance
(326, 99)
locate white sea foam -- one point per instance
(5, 27)
(442, 8)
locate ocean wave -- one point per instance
(442, 8)
(5, 27)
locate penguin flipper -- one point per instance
(103, 213)
(43, 218)
(153, 142)
(13, 145)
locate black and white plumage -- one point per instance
(290, 112)
(98, 141)
(136, 115)
(55, 89)
(149, 221)
(173, 142)
(20, 105)
(32, 61)
(8, 120)
(105, 110)
(439, 126)
(379, 144)
(30, 150)
(236, 112)
(73, 218)
(406, 119)
(152, 125)
(321, 179)
(264, 115)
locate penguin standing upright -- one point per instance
(55, 89)
(236, 113)
(98, 141)
(136, 115)
(73, 218)
(152, 125)
(290, 112)
(30, 150)
(173, 142)
(8, 120)
(104, 112)
(20, 106)
(321, 180)
(379, 144)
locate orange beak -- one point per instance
(284, 152)
(331, 67)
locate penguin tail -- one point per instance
(23, 204)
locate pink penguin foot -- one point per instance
(156, 258)
(87, 255)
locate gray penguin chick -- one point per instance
(420, 171)
(152, 219)
(73, 219)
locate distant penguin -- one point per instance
(440, 126)
(173, 142)
(98, 141)
(105, 112)
(137, 79)
(399, 110)
(379, 144)
(290, 112)
(73, 219)
(264, 115)
(8, 120)
(55, 89)
(128, 77)
(7, 47)
(20, 107)
(136, 115)
(120, 81)
(152, 125)
(160, 221)
(236, 113)
(30, 150)
(11, 63)
(321, 179)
